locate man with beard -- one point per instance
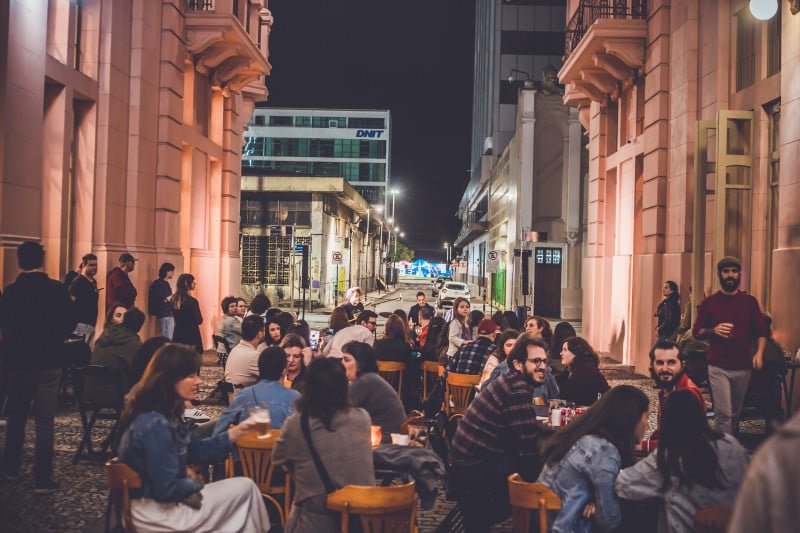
(666, 367)
(731, 320)
(413, 313)
(498, 436)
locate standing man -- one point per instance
(35, 318)
(353, 305)
(158, 300)
(84, 293)
(731, 320)
(413, 313)
(119, 288)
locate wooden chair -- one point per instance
(528, 497)
(255, 455)
(414, 418)
(430, 373)
(386, 509)
(120, 479)
(460, 388)
(392, 371)
(713, 519)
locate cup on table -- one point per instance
(538, 400)
(375, 436)
(555, 418)
(260, 413)
(400, 439)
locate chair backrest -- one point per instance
(390, 509)
(98, 374)
(527, 497)
(392, 371)
(713, 519)
(459, 390)
(220, 340)
(430, 373)
(120, 478)
(255, 454)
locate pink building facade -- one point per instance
(656, 83)
(121, 130)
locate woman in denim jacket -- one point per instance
(694, 466)
(584, 458)
(158, 445)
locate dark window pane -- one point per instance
(545, 43)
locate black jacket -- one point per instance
(35, 317)
(669, 317)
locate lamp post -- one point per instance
(447, 252)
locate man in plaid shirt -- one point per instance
(499, 435)
(472, 356)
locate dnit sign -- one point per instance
(337, 257)
(372, 134)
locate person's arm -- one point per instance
(490, 365)
(454, 332)
(602, 471)
(672, 317)
(230, 416)
(280, 453)
(198, 316)
(759, 327)
(702, 326)
(640, 481)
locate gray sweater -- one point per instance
(374, 394)
(643, 480)
(345, 452)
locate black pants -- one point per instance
(481, 488)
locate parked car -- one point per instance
(438, 283)
(450, 291)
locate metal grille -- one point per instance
(591, 10)
(200, 5)
(265, 260)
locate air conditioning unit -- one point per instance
(488, 146)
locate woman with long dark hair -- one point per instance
(510, 320)
(694, 466)
(503, 345)
(668, 311)
(582, 383)
(397, 346)
(458, 329)
(430, 351)
(582, 460)
(158, 446)
(370, 391)
(295, 346)
(540, 328)
(340, 436)
(186, 310)
(562, 332)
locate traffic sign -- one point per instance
(493, 261)
(337, 257)
(493, 255)
(298, 248)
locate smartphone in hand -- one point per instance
(314, 338)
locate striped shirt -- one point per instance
(501, 421)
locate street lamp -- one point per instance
(763, 9)
(396, 233)
(447, 252)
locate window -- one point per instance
(530, 43)
(745, 50)
(773, 172)
(366, 123)
(774, 45)
(302, 122)
(265, 260)
(202, 103)
(281, 121)
(259, 120)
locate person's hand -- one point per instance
(589, 510)
(758, 361)
(724, 329)
(235, 432)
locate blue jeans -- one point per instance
(167, 326)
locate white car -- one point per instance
(450, 291)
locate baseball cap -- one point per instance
(729, 261)
(487, 327)
(124, 258)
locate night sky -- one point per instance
(413, 57)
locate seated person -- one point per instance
(471, 358)
(269, 391)
(582, 383)
(362, 331)
(370, 391)
(499, 435)
(230, 325)
(116, 349)
(695, 466)
(242, 365)
(296, 348)
(547, 389)
(339, 434)
(582, 460)
(667, 370)
(504, 343)
(143, 356)
(431, 338)
(157, 444)
(396, 345)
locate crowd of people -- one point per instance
(324, 391)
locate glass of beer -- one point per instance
(260, 413)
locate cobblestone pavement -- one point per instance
(80, 504)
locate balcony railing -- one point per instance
(590, 11)
(200, 5)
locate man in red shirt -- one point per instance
(669, 374)
(731, 320)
